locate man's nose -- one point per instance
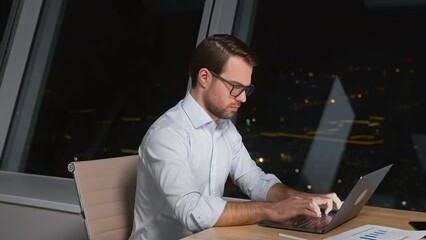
(242, 97)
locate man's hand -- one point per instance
(283, 203)
(289, 203)
(328, 202)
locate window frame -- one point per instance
(23, 23)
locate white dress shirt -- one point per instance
(186, 159)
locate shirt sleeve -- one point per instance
(165, 156)
(251, 179)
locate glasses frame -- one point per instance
(247, 89)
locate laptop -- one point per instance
(350, 208)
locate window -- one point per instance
(5, 7)
(339, 93)
(116, 67)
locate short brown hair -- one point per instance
(213, 52)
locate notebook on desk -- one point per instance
(351, 207)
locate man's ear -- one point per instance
(204, 77)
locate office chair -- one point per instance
(106, 190)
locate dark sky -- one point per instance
(318, 30)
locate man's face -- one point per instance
(218, 101)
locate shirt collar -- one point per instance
(198, 116)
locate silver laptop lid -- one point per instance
(358, 197)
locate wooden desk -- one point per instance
(368, 215)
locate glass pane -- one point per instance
(5, 7)
(117, 66)
(339, 93)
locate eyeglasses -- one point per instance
(236, 89)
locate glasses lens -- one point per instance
(236, 90)
(249, 90)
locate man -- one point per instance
(188, 153)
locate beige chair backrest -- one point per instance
(106, 189)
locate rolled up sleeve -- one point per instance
(256, 184)
(247, 175)
(203, 212)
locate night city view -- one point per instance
(339, 97)
(280, 141)
(339, 91)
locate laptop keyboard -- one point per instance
(313, 223)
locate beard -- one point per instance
(221, 113)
